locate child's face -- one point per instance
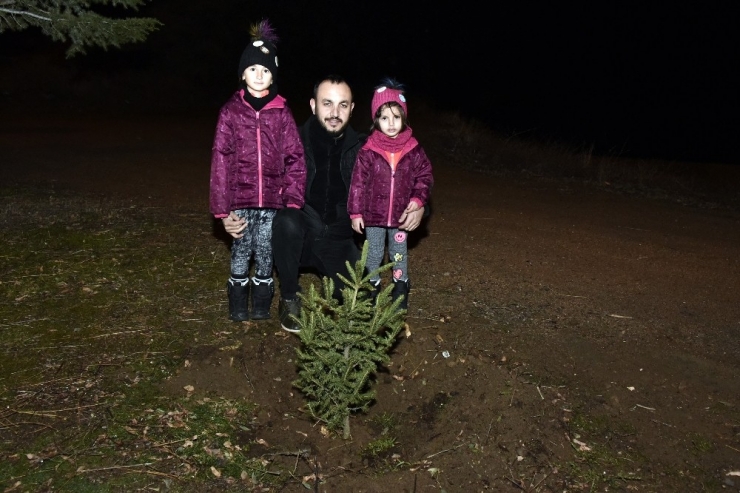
(390, 121)
(258, 79)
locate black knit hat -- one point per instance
(261, 49)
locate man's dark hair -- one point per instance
(333, 78)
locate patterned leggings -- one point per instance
(397, 250)
(257, 240)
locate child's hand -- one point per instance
(234, 225)
(411, 217)
(358, 224)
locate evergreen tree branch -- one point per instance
(75, 22)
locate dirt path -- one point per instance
(567, 311)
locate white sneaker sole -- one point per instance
(292, 331)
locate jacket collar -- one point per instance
(350, 137)
(275, 101)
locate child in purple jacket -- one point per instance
(257, 167)
(392, 176)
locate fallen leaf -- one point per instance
(215, 472)
(581, 446)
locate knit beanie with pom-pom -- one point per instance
(261, 49)
(389, 91)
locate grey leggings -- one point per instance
(257, 240)
(397, 250)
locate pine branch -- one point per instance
(75, 22)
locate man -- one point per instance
(320, 235)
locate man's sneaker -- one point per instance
(286, 308)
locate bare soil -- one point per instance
(562, 337)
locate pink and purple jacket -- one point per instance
(379, 193)
(257, 159)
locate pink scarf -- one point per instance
(381, 141)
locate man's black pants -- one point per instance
(299, 241)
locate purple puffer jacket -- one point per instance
(380, 195)
(257, 159)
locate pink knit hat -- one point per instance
(384, 94)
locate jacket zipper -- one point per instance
(259, 160)
(393, 185)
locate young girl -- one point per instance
(257, 167)
(392, 177)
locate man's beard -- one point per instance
(336, 131)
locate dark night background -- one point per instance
(634, 80)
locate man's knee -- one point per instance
(287, 224)
(352, 252)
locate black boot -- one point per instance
(374, 291)
(287, 310)
(262, 291)
(401, 289)
(238, 298)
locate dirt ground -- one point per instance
(562, 338)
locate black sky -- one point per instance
(648, 79)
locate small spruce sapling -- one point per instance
(342, 345)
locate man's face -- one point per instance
(333, 106)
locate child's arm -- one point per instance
(294, 186)
(414, 205)
(423, 178)
(234, 225)
(358, 224)
(423, 181)
(358, 186)
(222, 159)
(411, 217)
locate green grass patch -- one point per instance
(100, 301)
(379, 453)
(603, 457)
